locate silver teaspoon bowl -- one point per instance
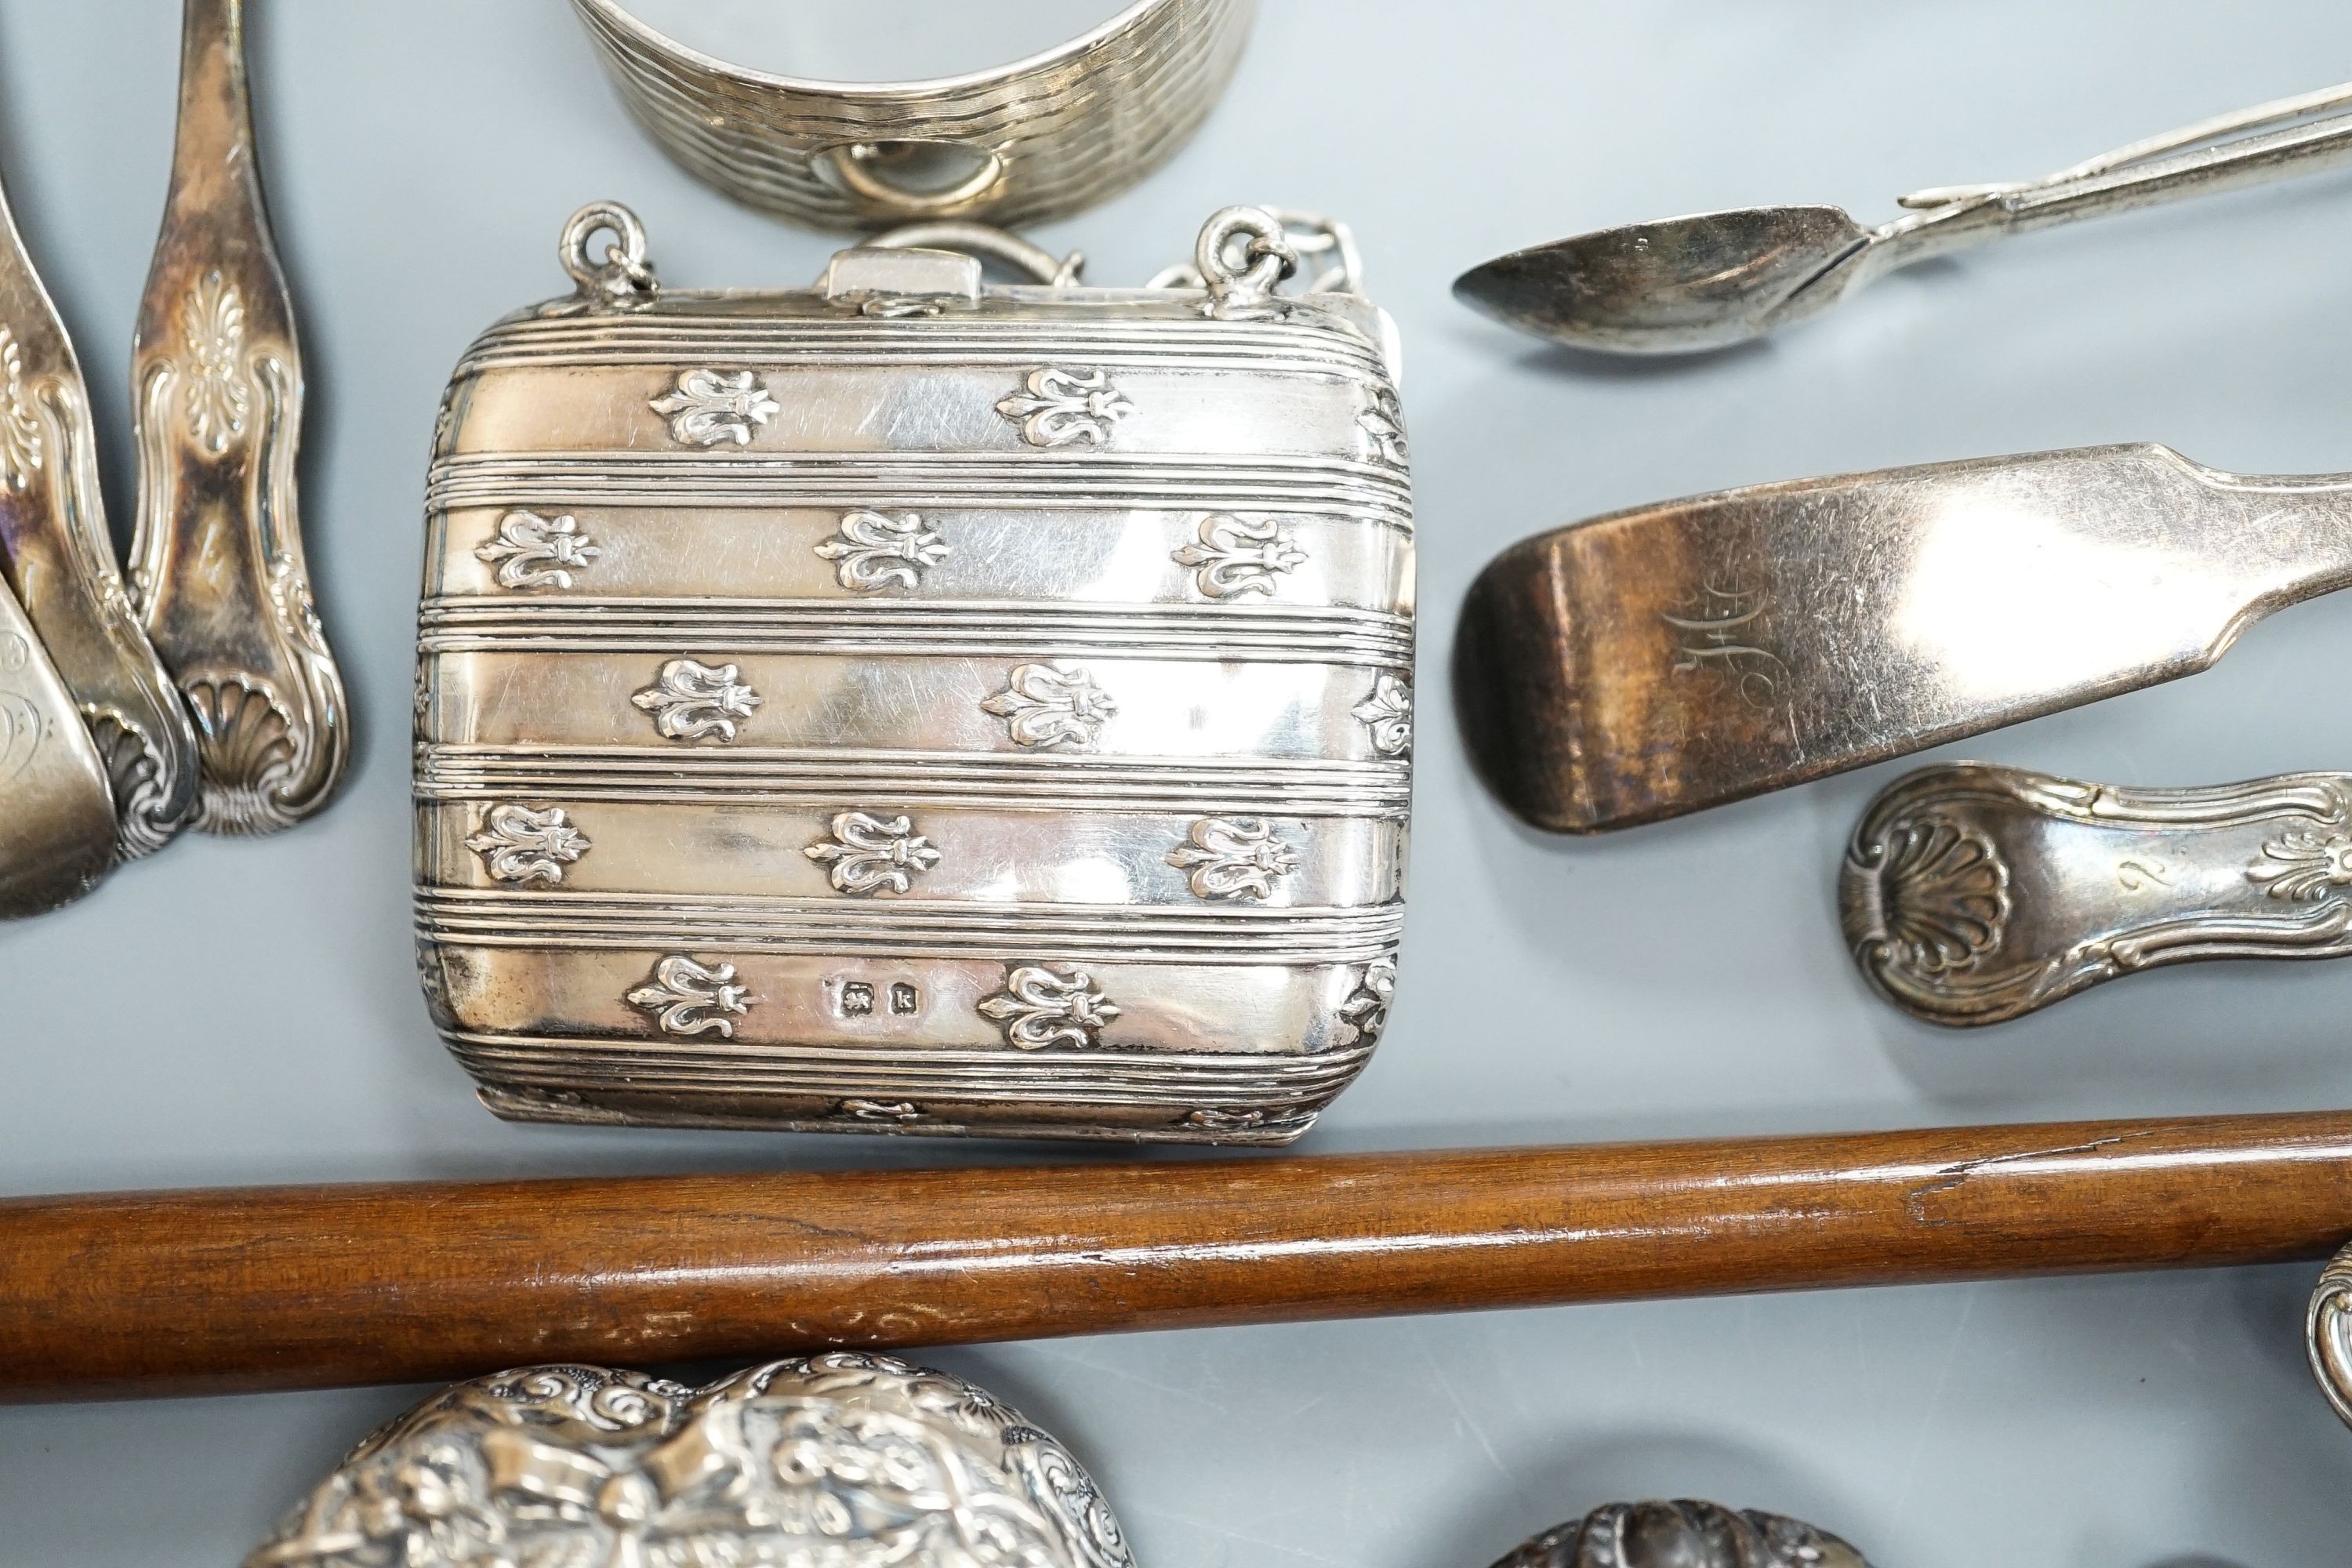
(1676, 286)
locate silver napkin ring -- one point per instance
(1036, 140)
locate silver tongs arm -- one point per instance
(2195, 160)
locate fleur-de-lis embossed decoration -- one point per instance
(1380, 428)
(684, 997)
(1388, 713)
(1233, 859)
(1229, 556)
(2301, 867)
(1365, 1014)
(1052, 705)
(20, 426)
(870, 854)
(691, 701)
(1041, 1008)
(712, 406)
(220, 393)
(520, 844)
(534, 552)
(874, 551)
(1063, 406)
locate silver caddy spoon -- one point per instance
(850, 1460)
(1718, 279)
(1972, 894)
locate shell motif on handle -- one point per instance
(220, 577)
(1973, 894)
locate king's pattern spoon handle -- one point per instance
(1973, 894)
(218, 381)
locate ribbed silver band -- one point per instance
(1048, 135)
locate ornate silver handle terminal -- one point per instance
(1038, 139)
(59, 560)
(1973, 894)
(220, 575)
(2329, 1333)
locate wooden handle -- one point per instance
(313, 1287)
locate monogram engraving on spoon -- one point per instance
(224, 585)
(1718, 635)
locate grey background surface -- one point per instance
(247, 1012)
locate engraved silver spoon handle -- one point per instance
(59, 559)
(1973, 894)
(218, 381)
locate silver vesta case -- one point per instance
(917, 704)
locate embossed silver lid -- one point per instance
(1684, 1534)
(830, 1461)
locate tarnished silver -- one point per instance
(218, 562)
(2328, 1333)
(1972, 894)
(59, 560)
(1684, 1534)
(991, 702)
(1682, 655)
(1718, 279)
(58, 832)
(1038, 139)
(842, 1460)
